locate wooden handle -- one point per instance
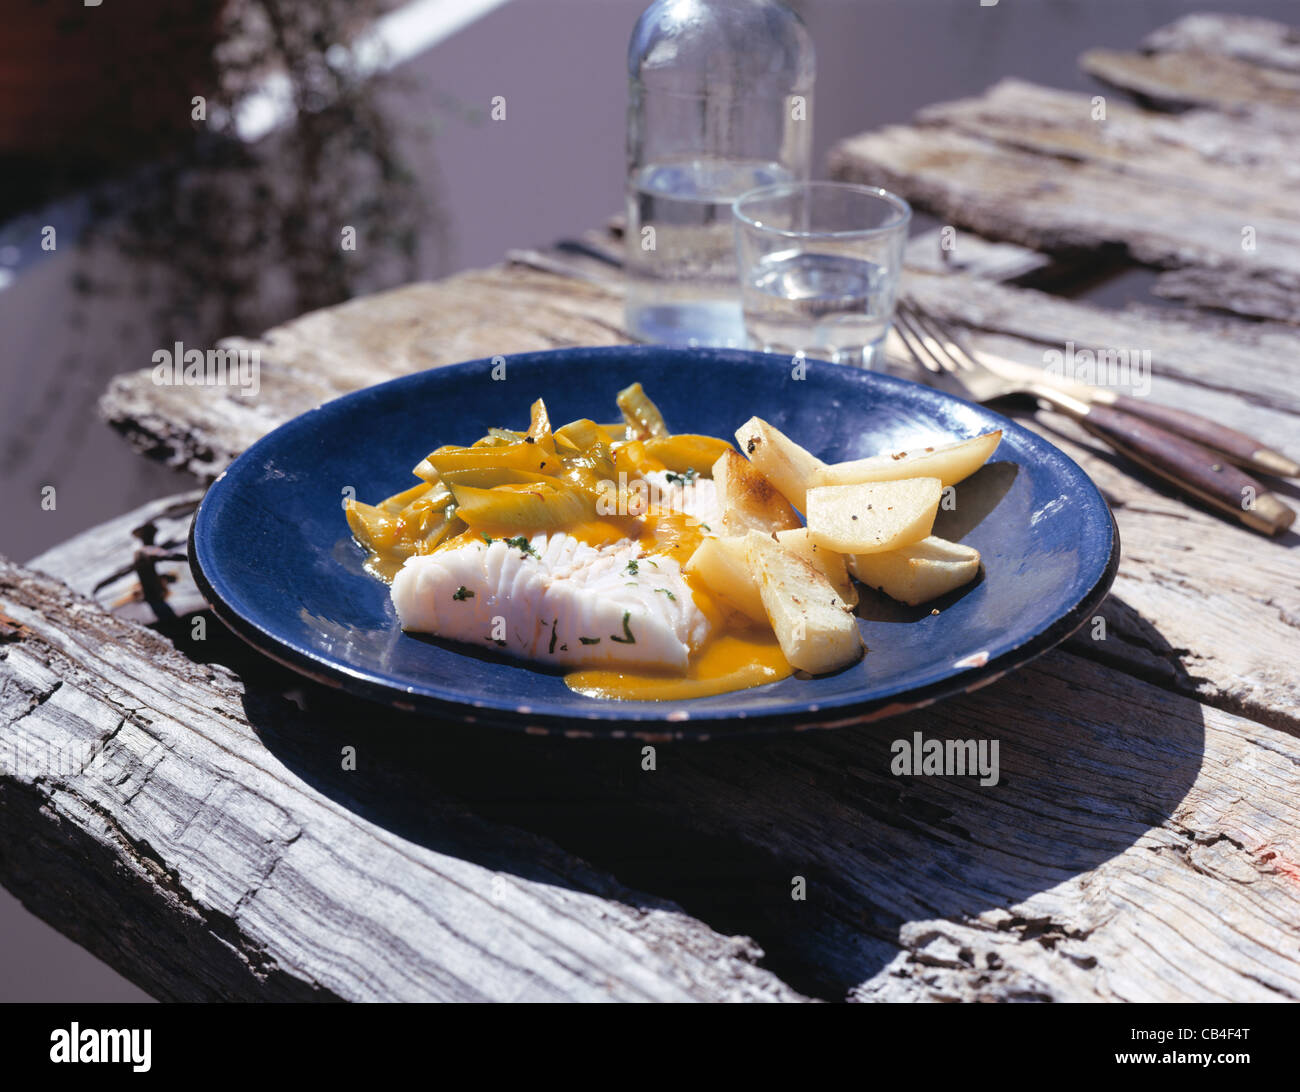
(1240, 448)
(1196, 469)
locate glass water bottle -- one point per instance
(720, 102)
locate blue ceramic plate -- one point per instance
(271, 550)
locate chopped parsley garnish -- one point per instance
(488, 539)
(706, 527)
(632, 567)
(520, 542)
(627, 638)
(462, 593)
(684, 479)
(554, 622)
(664, 590)
(589, 640)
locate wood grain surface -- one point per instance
(1208, 194)
(1139, 845)
(1191, 644)
(185, 809)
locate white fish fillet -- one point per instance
(564, 602)
(698, 499)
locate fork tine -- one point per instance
(910, 317)
(942, 336)
(915, 343)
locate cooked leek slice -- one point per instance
(596, 458)
(436, 498)
(374, 528)
(539, 506)
(686, 451)
(642, 416)
(448, 461)
(539, 428)
(424, 469)
(426, 522)
(580, 435)
(490, 476)
(394, 504)
(630, 458)
(448, 530)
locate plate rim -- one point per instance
(606, 722)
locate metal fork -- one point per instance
(1191, 467)
(1246, 451)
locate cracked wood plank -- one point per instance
(1262, 42)
(135, 566)
(1138, 845)
(1235, 63)
(142, 815)
(1032, 165)
(1178, 914)
(1225, 605)
(1195, 79)
(1247, 162)
(1246, 72)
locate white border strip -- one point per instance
(417, 26)
(394, 39)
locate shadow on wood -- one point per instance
(725, 828)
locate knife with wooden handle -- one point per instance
(1238, 447)
(1190, 466)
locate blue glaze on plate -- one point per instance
(270, 547)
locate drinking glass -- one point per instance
(819, 266)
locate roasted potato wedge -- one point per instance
(874, 516)
(920, 572)
(722, 566)
(787, 465)
(749, 501)
(816, 631)
(832, 564)
(950, 463)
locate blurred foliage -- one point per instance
(226, 236)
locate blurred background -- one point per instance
(192, 166)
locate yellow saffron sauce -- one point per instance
(728, 661)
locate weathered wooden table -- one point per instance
(189, 811)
